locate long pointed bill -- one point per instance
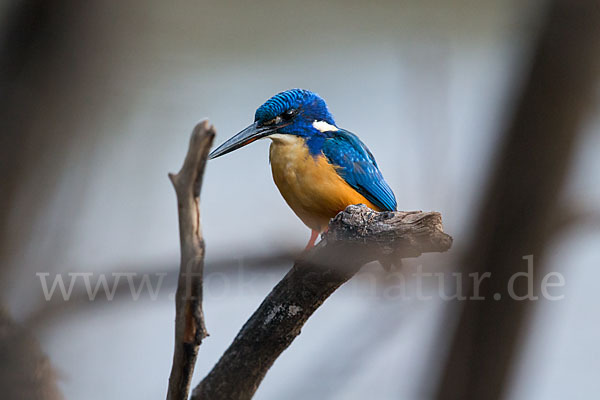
(247, 136)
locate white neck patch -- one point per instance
(323, 126)
(284, 139)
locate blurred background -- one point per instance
(98, 101)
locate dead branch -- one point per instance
(518, 209)
(356, 236)
(189, 319)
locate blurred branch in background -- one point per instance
(29, 40)
(522, 199)
(26, 372)
(25, 26)
(573, 215)
(34, 78)
(356, 236)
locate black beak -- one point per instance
(247, 136)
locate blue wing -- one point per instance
(358, 167)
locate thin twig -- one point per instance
(189, 320)
(356, 236)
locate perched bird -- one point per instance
(319, 168)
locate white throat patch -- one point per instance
(283, 139)
(323, 126)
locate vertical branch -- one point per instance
(519, 206)
(189, 319)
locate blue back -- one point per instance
(358, 168)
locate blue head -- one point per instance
(292, 112)
(295, 110)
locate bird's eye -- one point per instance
(289, 114)
(284, 116)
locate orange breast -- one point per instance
(310, 185)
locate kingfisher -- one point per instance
(319, 169)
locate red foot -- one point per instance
(313, 238)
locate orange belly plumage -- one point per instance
(310, 185)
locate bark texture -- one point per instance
(190, 329)
(356, 236)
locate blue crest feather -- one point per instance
(294, 98)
